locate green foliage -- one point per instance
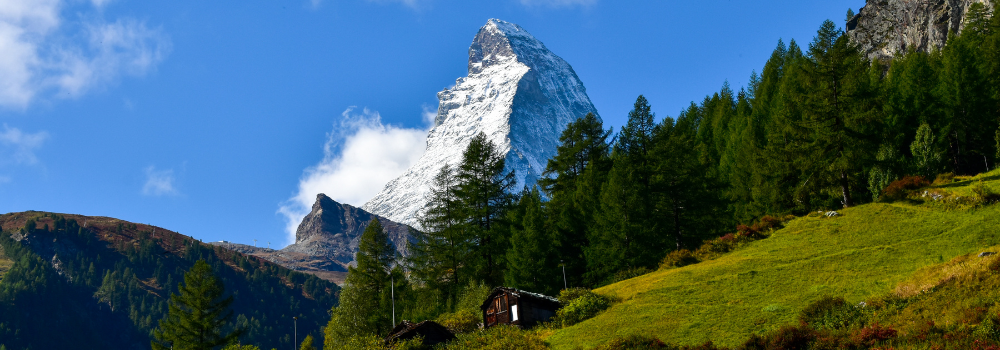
(832, 313)
(497, 338)
(439, 255)
(633, 342)
(197, 316)
(146, 264)
(308, 343)
(484, 191)
(861, 253)
(365, 302)
(579, 305)
(532, 260)
(240, 347)
(926, 156)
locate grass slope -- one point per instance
(865, 252)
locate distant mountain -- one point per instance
(520, 94)
(327, 239)
(71, 281)
(883, 28)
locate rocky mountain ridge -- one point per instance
(884, 28)
(327, 240)
(518, 93)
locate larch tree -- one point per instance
(196, 317)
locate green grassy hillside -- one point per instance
(865, 252)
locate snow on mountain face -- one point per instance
(518, 93)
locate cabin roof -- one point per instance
(544, 299)
(432, 332)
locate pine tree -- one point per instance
(964, 92)
(582, 157)
(626, 233)
(838, 111)
(440, 254)
(484, 191)
(307, 343)
(926, 155)
(197, 316)
(364, 301)
(531, 259)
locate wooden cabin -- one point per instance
(517, 307)
(432, 332)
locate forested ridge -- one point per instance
(104, 283)
(819, 128)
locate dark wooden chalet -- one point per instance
(433, 332)
(517, 307)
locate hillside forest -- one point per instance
(820, 128)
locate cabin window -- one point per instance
(513, 313)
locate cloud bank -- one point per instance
(19, 147)
(159, 182)
(47, 55)
(360, 156)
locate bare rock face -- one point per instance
(327, 240)
(332, 230)
(884, 28)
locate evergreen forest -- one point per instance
(820, 128)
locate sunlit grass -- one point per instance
(866, 252)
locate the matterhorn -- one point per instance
(518, 93)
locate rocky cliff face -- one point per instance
(327, 239)
(332, 230)
(518, 93)
(883, 28)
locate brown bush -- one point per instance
(899, 189)
(678, 258)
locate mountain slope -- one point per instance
(518, 93)
(86, 276)
(863, 253)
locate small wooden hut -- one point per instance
(432, 332)
(517, 307)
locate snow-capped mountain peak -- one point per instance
(518, 93)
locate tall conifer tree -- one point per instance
(198, 315)
(484, 191)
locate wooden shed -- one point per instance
(517, 307)
(432, 332)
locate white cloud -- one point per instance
(558, 3)
(47, 55)
(159, 182)
(21, 146)
(360, 156)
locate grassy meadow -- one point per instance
(866, 252)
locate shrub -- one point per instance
(634, 342)
(831, 313)
(873, 335)
(785, 338)
(679, 258)
(461, 321)
(899, 189)
(583, 306)
(628, 274)
(568, 295)
(984, 194)
(497, 338)
(987, 330)
(943, 179)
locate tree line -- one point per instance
(819, 128)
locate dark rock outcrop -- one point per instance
(883, 28)
(327, 239)
(332, 230)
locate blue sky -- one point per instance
(221, 120)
